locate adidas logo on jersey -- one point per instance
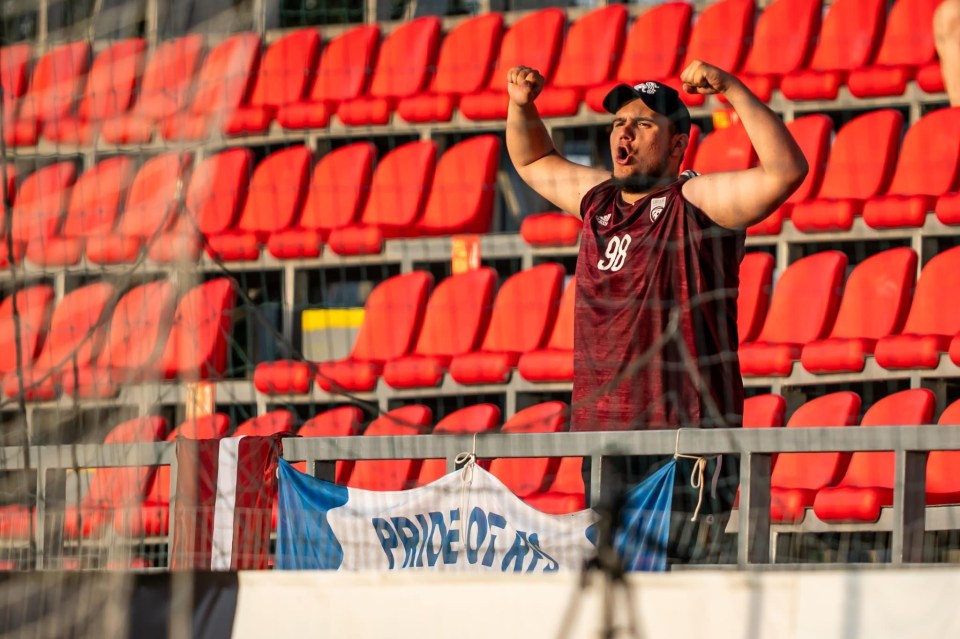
(604, 220)
(656, 207)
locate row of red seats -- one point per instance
(864, 171)
(422, 75)
(845, 487)
(114, 211)
(95, 339)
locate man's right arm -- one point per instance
(532, 152)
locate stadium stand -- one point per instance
(756, 279)
(392, 474)
(526, 477)
(478, 418)
(554, 362)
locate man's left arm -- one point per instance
(738, 199)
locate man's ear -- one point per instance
(680, 143)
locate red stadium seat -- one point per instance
(166, 89)
(272, 423)
(344, 70)
(848, 39)
(726, 149)
(523, 312)
(907, 46)
(74, 339)
(336, 195)
(479, 418)
(8, 182)
(285, 70)
(756, 280)
(526, 476)
(933, 319)
(399, 189)
(34, 307)
(14, 69)
(874, 305)
(551, 229)
(928, 166)
(554, 362)
(453, 324)
(534, 41)
(149, 210)
(566, 494)
(591, 51)
(94, 202)
(109, 92)
(948, 208)
(797, 477)
(345, 421)
(54, 85)
(867, 486)
(41, 200)
(467, 55)
(860, 166)
(943, 483)
(802, 309)
(392, 474)
(653, 50)
(200, 334)
(463, 189)
(764, 411)
(930, 78)
(221, 85)
(274, 198)
(812, 134)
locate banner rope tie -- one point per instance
(469, 462)
(696, 476)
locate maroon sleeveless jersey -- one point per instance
(655, 329)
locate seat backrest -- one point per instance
(406, 55)
(467, 54)
(199, 338)
(116, 487)
(933, 311)
(286, 68)
(463, 188)
(561, 338)
(805, 299)
(76, 328)
(346, 63)
(877, 295)
(863, 155)
(14, 63)
(218, 189)
(756, 278)
(226, 74)
(786, 33)
(534, 41)
(112, 80)
(96, 196)
(151, 202)
(764, 411)
(813, 471)
(400, 185)
(56, 81)
(392, 317)
(524, 310)
(276, 421)
(276, 192)
(343, 421)
(908, 39)
(592, 47)
(168, 78)
(731, 18)
(528, 475)
(929, 160)
(907, 408)
(478, 418)
(139, 326)
(457, 314)
(41, 200)
(392, 474)
(34, 307)
(850, 35)
(726, 149)
(942, 474)
(812, 133)
(338, 188)
(655, 43)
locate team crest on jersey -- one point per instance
(656, 207)
(604, 220)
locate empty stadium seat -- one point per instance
(943, 482)
(947, 209)
(42, 198)
(551, 229)
(109, 91)
(523, 312)
(345, 66)
(591, 51)
(566, 493)
(150, 208)
(554, 362)
(848, 39)
(399, 189)
(166, 88)
(344, 421)
(455, 319)
(197, 346)
(478, 418)
(930, 78)
(928, 166)
(282, 78)
(867, 485)
(860, 166)
(756, 280)
(274, 199)
(802, 309)
(463, 189)
(933, 318)
(34, 307)
(272, 423)
(764, 411)
(467, 55)
(797, 477)
(14, 69)
(392, 474)
(534, 41)
(94, 202)
(726, 149)
(875, 304)
(907, 46)
(526, 476)
(221, 85)
(653, 49)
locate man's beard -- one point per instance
(638, 183)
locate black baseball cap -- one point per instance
(659, 97)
